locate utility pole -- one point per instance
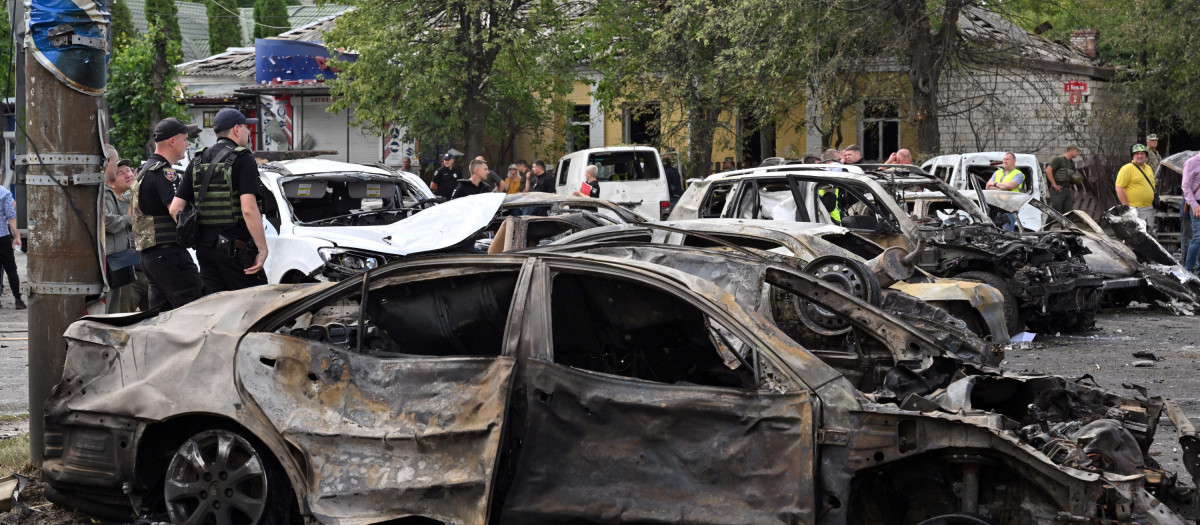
(63, 164)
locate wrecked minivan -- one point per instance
(546, 387)
(1045, 281)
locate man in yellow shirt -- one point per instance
(1135, 186)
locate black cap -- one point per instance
(169, 127)
(228, 118)
(122, 162)
(447, 156)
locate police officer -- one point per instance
(232, 246)
(445, 179)
(173, 278)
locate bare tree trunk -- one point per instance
(928, 52)
(474, 129)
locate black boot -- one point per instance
(20, 305)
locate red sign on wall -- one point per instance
(1076, 86)
(1074, 99)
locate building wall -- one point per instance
(1029, 112)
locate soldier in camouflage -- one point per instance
(173, 277)
(232, 247)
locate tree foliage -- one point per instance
(221, 34)
(270, 18)
(165, 16)
(442, 69)
(7, 81)
(140, 93)
(122, 22)
(1155, 44)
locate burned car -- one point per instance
(554, 387)
(1044, 279)
(1132, 263)
(811, 246)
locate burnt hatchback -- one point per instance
(547, 388)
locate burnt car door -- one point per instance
(393, 389)
(646, 404)
(849, 205)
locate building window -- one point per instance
(209, 117)
(642, 124)
(881, 129)
(579, 128)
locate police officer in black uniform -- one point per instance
(445, 179)
(173, 278)
(232, 247)
(476, 184)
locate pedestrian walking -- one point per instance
(172, 276)
(222, 182)
(1135, 186)
(10, 240)
(1061, 174)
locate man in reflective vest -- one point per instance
(1007, 178)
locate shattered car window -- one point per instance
(349, 199)
(462, 315)
(714, 201)
(618, 327)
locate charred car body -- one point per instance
(833, 253)
(554, 387)
(1043, 276)
(1134, 265)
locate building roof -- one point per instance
(195, 30)
(998, 33)
(239, 61)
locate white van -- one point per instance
(630, 176)
(957, 170)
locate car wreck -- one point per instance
(809, 246)
(1132, 263)
(540, 387)
(1045, 281)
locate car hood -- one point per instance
(437, 228)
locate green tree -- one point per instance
(141, 91)
(442, 68)
(164, 15)
(122, 22)
(7, 82)
(270, 18)
(221, 34)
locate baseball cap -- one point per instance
(228, 118)
(122, 162)
(169, 127)
(447, 156)
(1137, 148)
(1152, 136)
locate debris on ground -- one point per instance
(1146, 354)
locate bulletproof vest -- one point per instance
(221, 206)
(150, 230)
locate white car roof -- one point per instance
(318, 166)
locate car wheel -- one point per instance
(219, 476)
(851, 277)
(1011, 312)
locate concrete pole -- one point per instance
(63, 264)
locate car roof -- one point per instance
(321, 166)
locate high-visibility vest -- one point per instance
(835, 213)
(1000, 177)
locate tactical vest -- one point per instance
(150, 230)
(1002, 177)
(221, 206)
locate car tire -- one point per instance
(1012, 315)
(221, 476)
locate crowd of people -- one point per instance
(449, 183)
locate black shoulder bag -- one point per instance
(187, 222)
(1157, 202)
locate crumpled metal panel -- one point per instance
(983, 298)
(384, 438)
(615, 450)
